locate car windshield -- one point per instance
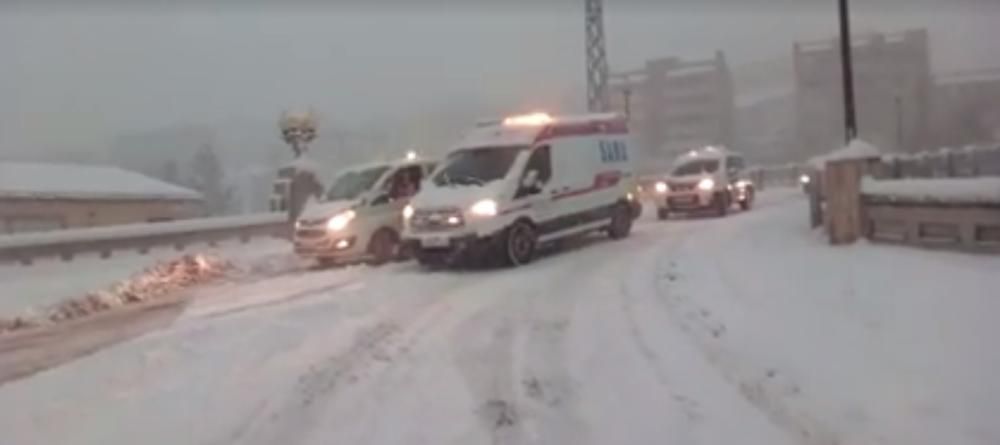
(352, 183)
(700, 166)
(477, 166)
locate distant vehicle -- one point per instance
(360, 217)
(515, 184)
(712, 178)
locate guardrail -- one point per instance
(67, 244)
(959, 214)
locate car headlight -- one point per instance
(706, 184)
(742, 184)
(804, 179)
(661, 187)
(486, 207)
(408, 212)
(340, 220)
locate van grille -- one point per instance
(432, 220)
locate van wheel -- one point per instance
(383, 247)
(662, 214)
(621, 222)
(748, 202)
(519, 243)
(721, 204)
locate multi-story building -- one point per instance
(892, 79)
(966, 108)
(677, 105)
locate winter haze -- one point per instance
(79, 79)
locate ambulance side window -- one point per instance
(541, 162)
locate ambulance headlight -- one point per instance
(486, 207)
(407, 212)
(661, 187)
(706, 184)
(340, 221)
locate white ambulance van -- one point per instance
(514, 184)
(360, 216)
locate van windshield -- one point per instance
(697, 167)
(477, 166)
(350, 184)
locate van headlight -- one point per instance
(339, 221)
(407, 212)
(661, 187)
(706, 184)
(804, 179)
(486, 207)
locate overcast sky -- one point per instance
(75, 76)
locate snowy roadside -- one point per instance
(27, 290)
(861, 344)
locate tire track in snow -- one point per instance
(762, 387)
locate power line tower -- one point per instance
(597, 58)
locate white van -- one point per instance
(360, 217)
(514, 184)
(712, 178)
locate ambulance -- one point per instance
(518, 183)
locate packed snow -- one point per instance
(748, 329)
(857, 149)
(943, 190)
(77, 181)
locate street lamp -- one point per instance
(298, 129)
(850, 119)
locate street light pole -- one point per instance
(850, 119)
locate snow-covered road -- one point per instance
(743, 330)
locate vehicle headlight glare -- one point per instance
(804, 179)
(486, 207)
(661, 187)
(340, 221)
(408, 212)
(706, 184)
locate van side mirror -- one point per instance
(530, 182)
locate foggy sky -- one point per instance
(75, 76)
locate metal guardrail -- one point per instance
(66, 244)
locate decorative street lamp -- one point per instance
(297, 181)
(298, 129)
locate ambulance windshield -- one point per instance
(477, 166)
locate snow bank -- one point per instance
(857, 149)
(141, 229)
(162, 279)
(957, 190)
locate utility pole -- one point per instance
(627, 92)
(597, 59)
(850, 118)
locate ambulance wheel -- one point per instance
(662, 214)
(621, 222)
(519, 242)
(383, 247)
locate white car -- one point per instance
(360, 217)
(515, 184)
(712, 179)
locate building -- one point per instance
(677, 105)
(892, 80)
(37, 197)
(966, 108)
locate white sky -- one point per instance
(75, 77)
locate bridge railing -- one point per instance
(104, 241)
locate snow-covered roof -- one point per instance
(77, 181)
(710, 152)
(857, 149)
(493, 133)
